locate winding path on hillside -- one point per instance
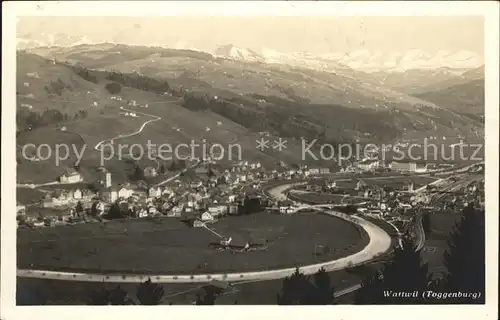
(379, 243)
(121, 136)
(98, 147)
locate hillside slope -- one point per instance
(466, 98)
(44, 84)
(239, 76)
(468, 76)
(413, 80)
(327, 93)
(178, 124)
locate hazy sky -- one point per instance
(286, 34)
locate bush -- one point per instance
(56, 87)
(113, 87)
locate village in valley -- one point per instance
(204, 192)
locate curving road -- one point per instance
(99, 145)
(379, 243)
(121, 136)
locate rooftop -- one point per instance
(70, 172)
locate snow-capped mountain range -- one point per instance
(28, 41)
(362, 60)
(413, 59)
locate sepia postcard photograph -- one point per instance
(249, 154)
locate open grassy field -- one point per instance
(47, 170)
(53, 292)
(28, 196)
(168, 246)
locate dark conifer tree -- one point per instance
(115, 211)
(93, 209)
(404, 273)
(323, 289)
(162, 169)
(118, 296)
(149, 293)
(371, 291)
(99, 297)
(79, 208)
(115, 296)
(465, 258)
(297, 290)
(209, 296)
(138, 173)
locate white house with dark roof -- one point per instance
(124, 192)
(167, 191)
(176, 211)
(152, 210)
(77, 194)
(233, 209)
(215, 210)
(150, 172)
(20, 209)
(368, 164)
(324, 170)
(70, 176)
(154, 192)
(142, 213)
(313, 171)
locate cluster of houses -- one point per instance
(70, 176)
(370, 199)
(207, 193)
(129, 114)
(473, 193)
(132, 103)
(388, 201)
